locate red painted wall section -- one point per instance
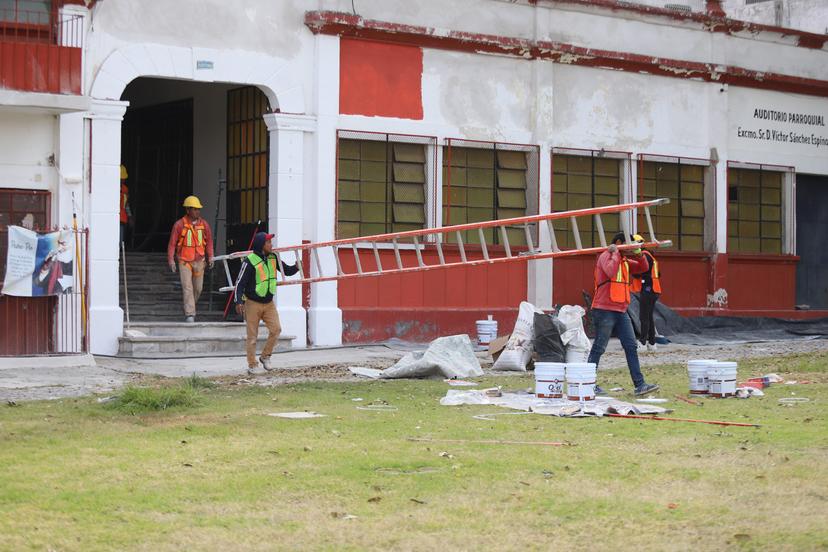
(420, 306)
(761, 283)
(379, 79)
(684, 279)
(37, 67)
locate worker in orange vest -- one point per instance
(648, 286)
(191, 242)
(126, 212)
(609, 309)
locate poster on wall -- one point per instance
(39, 264)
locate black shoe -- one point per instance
(646, 388)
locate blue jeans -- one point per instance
(604, 322)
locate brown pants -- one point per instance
(192, 280)
(253, 312)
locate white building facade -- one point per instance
(639, 92)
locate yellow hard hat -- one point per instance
(638, 238)
(124, 174)
(192, 201)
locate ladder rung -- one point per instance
(576, 233)
(336, 258)
(529, 240)
(298, 254)
(356, 258)
(600, 226)
(649, 224)
(440, 249)
(315, 251)
(417, 251)
(460, 245)
(552, 237)
(281, 267)
(625, 227)
(505, 236)
(483, 243)
(397, 253)
(377, 257)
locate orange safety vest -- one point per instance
(619, 285)
(655, 274)
(124, 197)
(191, 240)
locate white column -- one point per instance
(285, 207)
(106, 319)
(539, 273)
(325, 316)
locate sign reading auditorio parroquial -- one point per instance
(785, 127)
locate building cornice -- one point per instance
(354, 26)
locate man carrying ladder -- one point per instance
(254, 295)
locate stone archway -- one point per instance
(285, 92)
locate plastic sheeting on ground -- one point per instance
(446, 357)
(549, 407)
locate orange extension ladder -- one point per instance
(365, 249)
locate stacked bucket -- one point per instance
(712, 377)
(579, 376)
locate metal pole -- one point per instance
(126, 288)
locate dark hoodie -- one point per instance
(246, 283)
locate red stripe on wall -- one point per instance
(379, 79)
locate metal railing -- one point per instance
(367, 258)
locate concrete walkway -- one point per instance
(62, 377)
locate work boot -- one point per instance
(646, 388)
(652, 347)
(640, 346)
(189, 319)
(266, 363)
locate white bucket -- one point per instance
(486, 331)
(549, 379)
(697, 373)
(721, 379)
(580, 381)
(576, 355)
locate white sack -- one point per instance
(518, 349)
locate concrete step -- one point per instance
(197, 329)
(198, 339)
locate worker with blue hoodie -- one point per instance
(254, 297)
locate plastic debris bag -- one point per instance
(575, 337)
(548, 344)
(518, 349)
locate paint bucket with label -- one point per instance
(486, 330)
(697, 372)
(549, 379)
(580, 381)
(721, 379)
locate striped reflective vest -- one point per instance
(191, 240)
(655, 275)
(265, 271)
(619, 285)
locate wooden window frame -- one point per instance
(708, 236)
(517, 236)
(787, 207)
(394, 181)
(624, 179)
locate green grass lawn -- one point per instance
(222, 475)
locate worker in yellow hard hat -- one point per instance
(126, 212)
(648, 286)
(191, 242)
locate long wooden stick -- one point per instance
(491, 442)
(714, 422)
(688, 401)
